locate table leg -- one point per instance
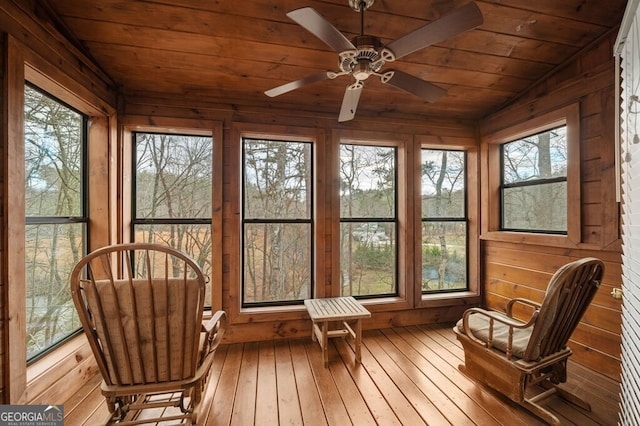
(358, 341)
(325, 341)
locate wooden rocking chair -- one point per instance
(141, 307)
(513, 356)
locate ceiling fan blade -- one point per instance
(277, 91)
(427, 91)
(350, 101)
(457, 21)
(313, 22)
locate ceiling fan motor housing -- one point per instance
(357, 5)
(365, 60)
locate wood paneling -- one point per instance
(13, 223)
(4, 117)
(237, 50)
(516, 268)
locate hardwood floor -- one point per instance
(408, 376)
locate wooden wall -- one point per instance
(3, 283)
(515, 266)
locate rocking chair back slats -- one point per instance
(578, 285)
(141, 306)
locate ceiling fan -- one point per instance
(365, 55)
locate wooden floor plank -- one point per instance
(440, 385)
(310, 403)
(381, 411)
(289, 409)
(244, 407)
(354, 402)
(224, 399)
(395, 397)
(503, 410)
(211, 385)
(335, 411)
(423, 405)
(266, 398)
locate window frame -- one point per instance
(138, 221)
(23, 65)
(491, 146)
(293, 221)
(82, 219)
(406, 166)
(472, 295)
(131, 124)
(450, 219)
(233, 229)
(367, 220)
(525, 184)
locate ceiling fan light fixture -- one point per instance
(362, 70)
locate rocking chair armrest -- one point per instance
(214, 329)
(493, 317)
(523, 301)
(496, 316)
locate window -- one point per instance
(277, 221)
(56, 216)
(534, 183)
(368, 220)
(444, 221)
(172, 193)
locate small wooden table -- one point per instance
(345, 309)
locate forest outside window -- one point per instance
(172, 194)
(368, 220)
(444, 221)
(277, 222)
(56, 217)
(534, 183)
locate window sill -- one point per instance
(564, 241)
(449, 299)
(297, 312)
(60, 369)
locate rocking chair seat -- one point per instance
(480, 327)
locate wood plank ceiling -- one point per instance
(232, 51)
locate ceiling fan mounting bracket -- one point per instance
(358, 4)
